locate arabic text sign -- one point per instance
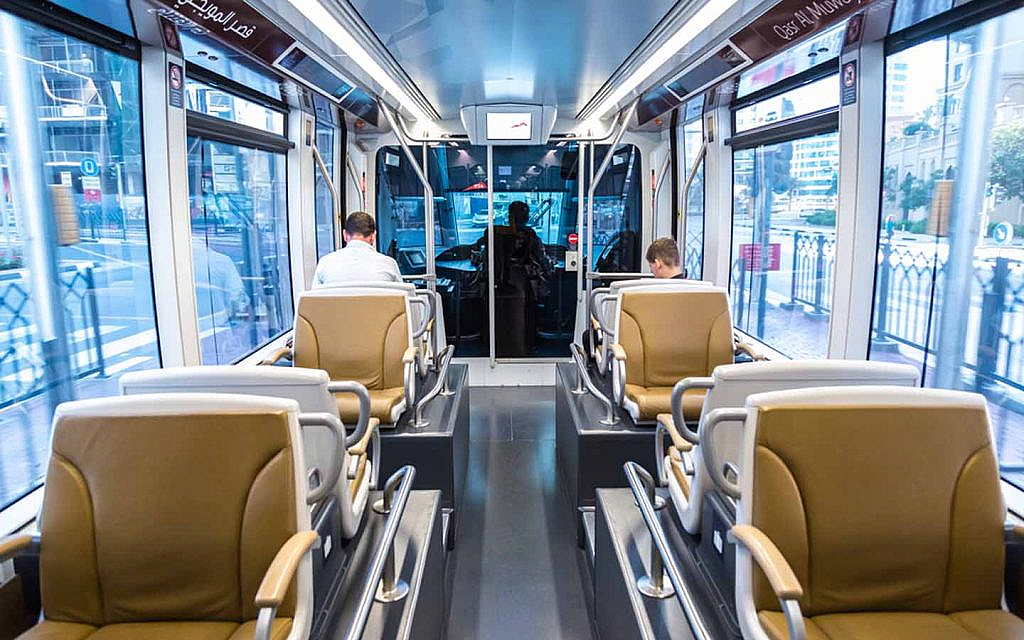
(756, 260)
(213, 17)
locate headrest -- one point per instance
(232, 375)
(619, 285)
(369, 284)
(824, 371)
(173, 404)
(360, 290)
(673, 286)
(867, 396)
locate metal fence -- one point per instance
(905, 281)
(21, 361)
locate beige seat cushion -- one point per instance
(965, 625)
(655, 400)
(50, 630)
(382, 402)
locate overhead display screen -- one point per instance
(509, 126)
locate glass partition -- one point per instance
(693, 205)
(323, 200)
(87, 103)
(949, 286)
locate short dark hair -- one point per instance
(518, 213)
(664, 249)
(360, 223)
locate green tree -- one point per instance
(914, 193)
(1007, 171)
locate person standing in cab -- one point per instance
(663, 257)
(359, 260)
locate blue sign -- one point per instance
(1002, 233)
(89, 167)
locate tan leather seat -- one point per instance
(361, 334)
(663, 334)
(172, 516)
(877, 510)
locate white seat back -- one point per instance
(734, 383)
(308, 387)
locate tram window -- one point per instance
(815, 51)
(239, 246)
(86, 99)
(205, 52)
(909, 12)
(812, 97)
(221, 104)
(949, 286)
(783, 242)
(693, 255)
(324, 206)
(112, 13)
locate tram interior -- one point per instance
(413, 319)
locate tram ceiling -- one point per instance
(461, 52)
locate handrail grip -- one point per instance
(678, 390)
(617, 275)
(707, 428)
(360, 392)
(330, 480)
(422, 276)
(355, 180)
(579, 355)
(430, 304)
(446, 358)
(660, 542)
(403, 478)
(428, 191)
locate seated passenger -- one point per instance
(358, 261)
(663, 257)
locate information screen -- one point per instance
(509, 126)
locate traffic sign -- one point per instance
(89, 167)
(573, 239)
(1002, 233)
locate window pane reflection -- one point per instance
(239, 247)
(949, 286)
(783, 243)
(87, 103)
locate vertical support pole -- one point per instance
(795, 271)
(391, 587)
(882, 302)
(653, 585)
(993, 306)
(34, 206)
(819, 272)
(490, 254)
(94, 318)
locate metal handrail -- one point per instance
(593, 189)
(660, 548)
(351, 166)
(430, 304)
(383, 585)
(690, 177)
(579, 355)
(418, 421)
(678, 390)
(423, 276)
(617, 275)
(428, 191)
(360, 392)
(330, 480)
(329, 181)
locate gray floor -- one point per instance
(515, 566)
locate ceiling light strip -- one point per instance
(319, 15)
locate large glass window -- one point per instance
(86, 103)
(783, 242)
(949, 289)
(239, 246)
(693, 206)
(323, 200)
(809, 98)
(219, 103)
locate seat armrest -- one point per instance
(360, 447)
(410, 355)
(666, 421)
(279, 575)
(277, 356)
(618, 352)
(747, 348)
(16, 544)
(780, 575)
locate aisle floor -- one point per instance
(516, 570)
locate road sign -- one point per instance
(573, 239)
(91, 189)
(89, 167)
(1002, 233)
(756, 260)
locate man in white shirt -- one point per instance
(359, 261)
